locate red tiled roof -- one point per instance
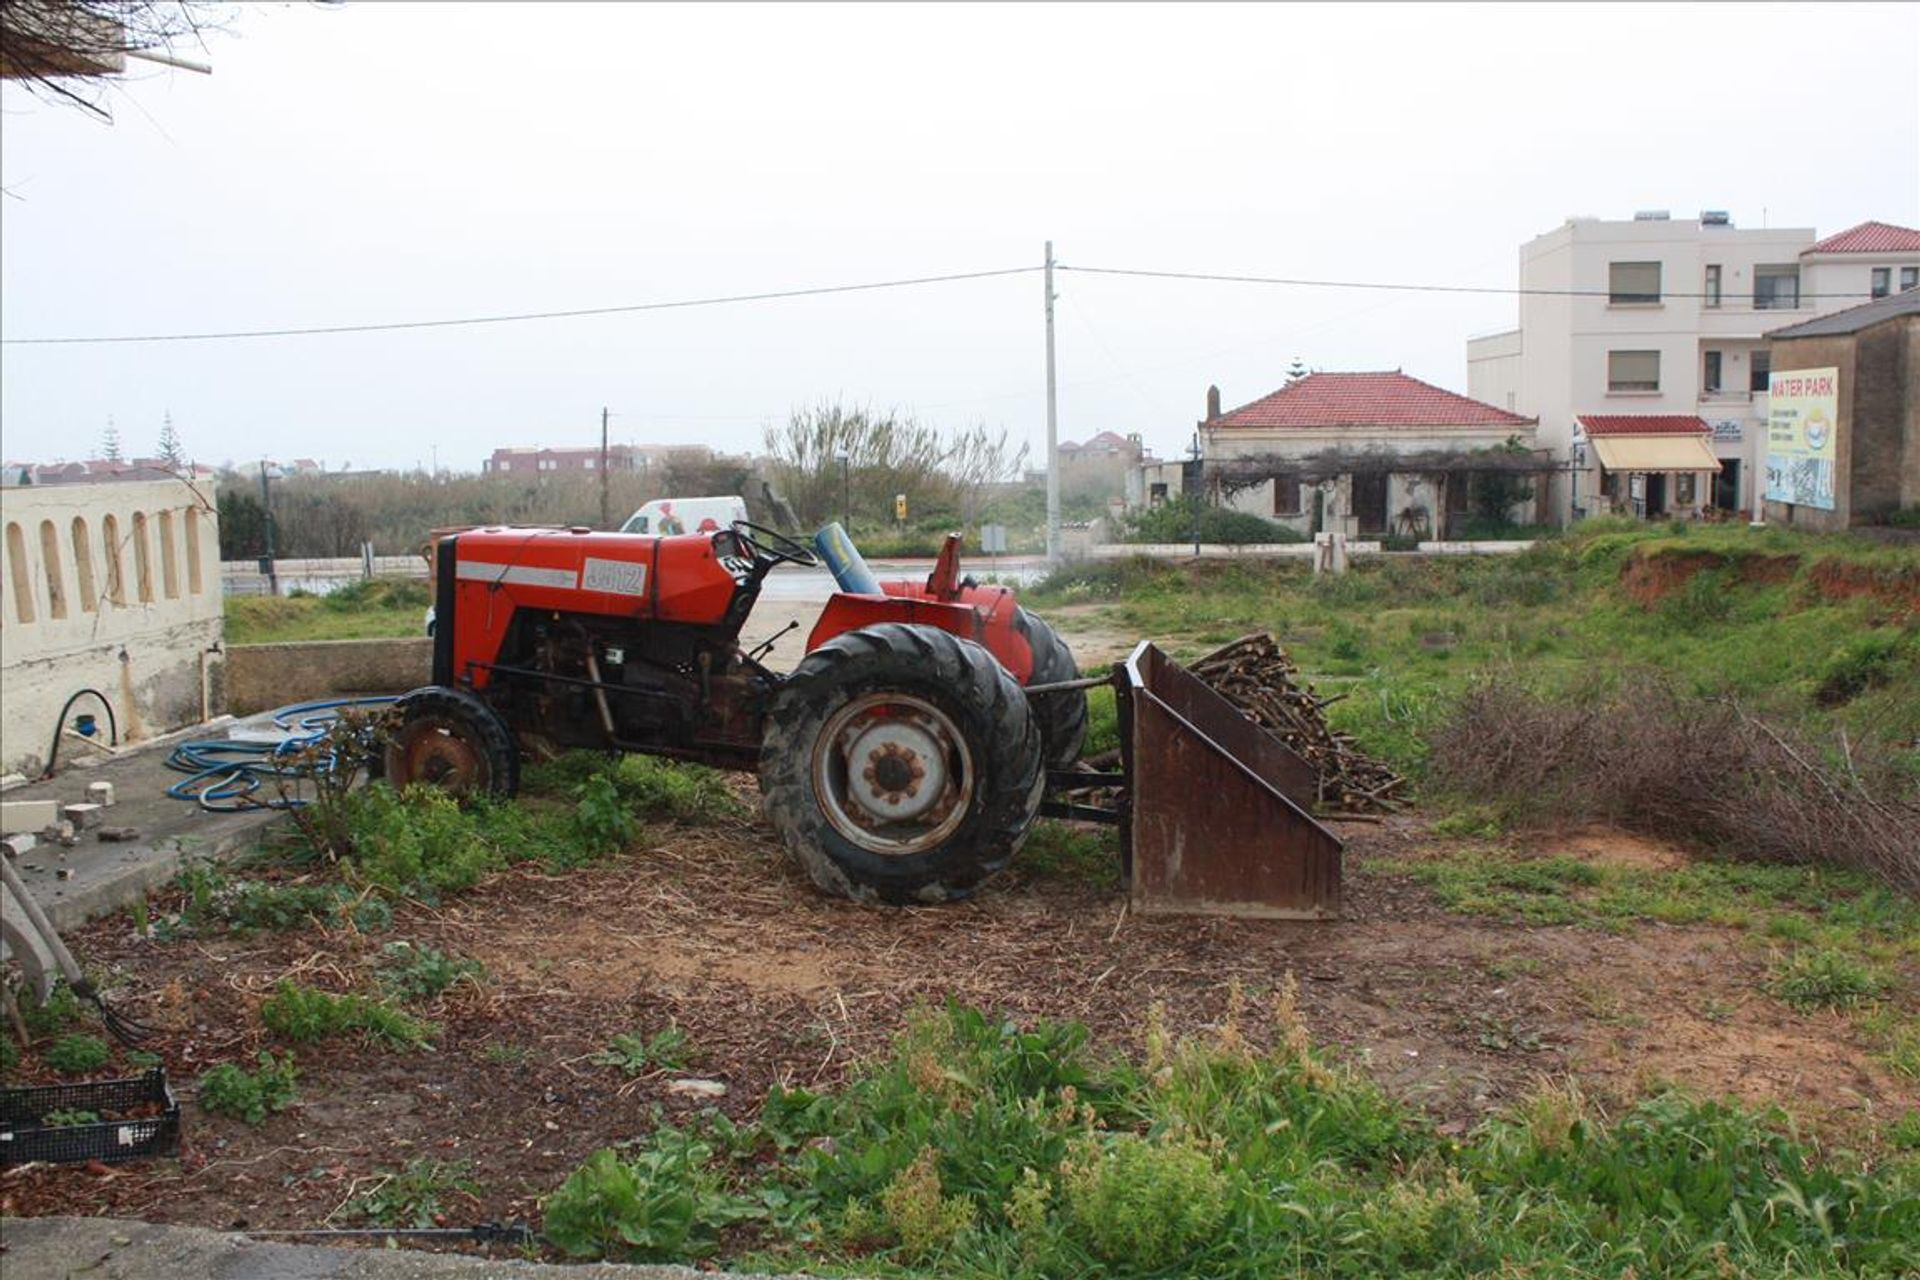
(1869, 237)
(1366, 400)
(1643, 424)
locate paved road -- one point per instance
(116, 1249)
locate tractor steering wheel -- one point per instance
(776, 547)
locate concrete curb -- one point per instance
(116, 1249)
(71, 903)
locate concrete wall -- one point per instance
(261, 677)
(1877, 446)
(114, 587)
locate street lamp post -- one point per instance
(846, 491)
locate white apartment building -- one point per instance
(1663, 317)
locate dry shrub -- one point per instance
(1704, 771)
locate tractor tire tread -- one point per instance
(494, 737)
(1062, 716)
(1002, 736)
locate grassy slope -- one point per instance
(380, 609)
(1399, 636)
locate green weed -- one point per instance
(1060, 851)
(420, 1195)
(667, 1049)
(76, 1055)
(410, 972)
(302, 1014)
(663, 1202)
(1144, 1203)
(60, 1010)
(1826, 979)
(250, 1095)
(69, 1117)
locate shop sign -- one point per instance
(1803, 417)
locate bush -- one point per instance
(76, 1055)
(410, 972)
(1143, 1202)
(1174, 522)
(921, 1218)
(1655, 759)
(417, 842)
(250, 1095)
(665, 1203)
(302, 1014)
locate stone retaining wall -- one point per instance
(260, 677)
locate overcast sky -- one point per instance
(382, 162)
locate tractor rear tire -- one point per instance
(1062, 716)
(901, 764)
(448, 738)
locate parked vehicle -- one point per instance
(665, 517)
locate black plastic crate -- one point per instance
(25, 1136)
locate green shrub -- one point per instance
(60, 1010)
(1826, 979)
(416, 842)
(420, 1195)
(213, 899)
(602, 815)
(664, 1203)
(410, 972)
(667, 1049)
(1866, 662)
(923, 1220)
(303, 1014)
(76, 1055)
(1173, 522)
(1144, 1202)
(250, 1095)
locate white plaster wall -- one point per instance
(65, 627)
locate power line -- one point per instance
(515, 317)
(1411, 288)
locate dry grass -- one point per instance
(1667, 764)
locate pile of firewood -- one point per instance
(1257, 677)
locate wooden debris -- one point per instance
(1255, 674)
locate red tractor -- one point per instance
(901, 760)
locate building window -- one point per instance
(1909, 278)
(1776, 288)
(1712, 290)
(588, 463)
(1683, 489)
(1710, 377)
(1286, 495)
(1762, 366)
(1633, 371)
(1882, 281)
(1633, 283)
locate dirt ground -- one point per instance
(711, 930)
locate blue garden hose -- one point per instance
(225, 775)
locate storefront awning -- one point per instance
(1655, 453)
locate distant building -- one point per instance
(1659, 316)
(1368, 454)
(1843, 442)
(1100, 468)
(101, 471)
(539, 462)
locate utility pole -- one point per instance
(606, 511)
(266, 523)
(1053, 428)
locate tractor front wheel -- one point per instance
(901, 764)
(450, 739)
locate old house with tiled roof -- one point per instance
(1370, 455)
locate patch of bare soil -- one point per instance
(713, 932)
(1094, 641)
(1608, 846)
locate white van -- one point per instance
(665, 516)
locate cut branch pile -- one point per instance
(1259, 679)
